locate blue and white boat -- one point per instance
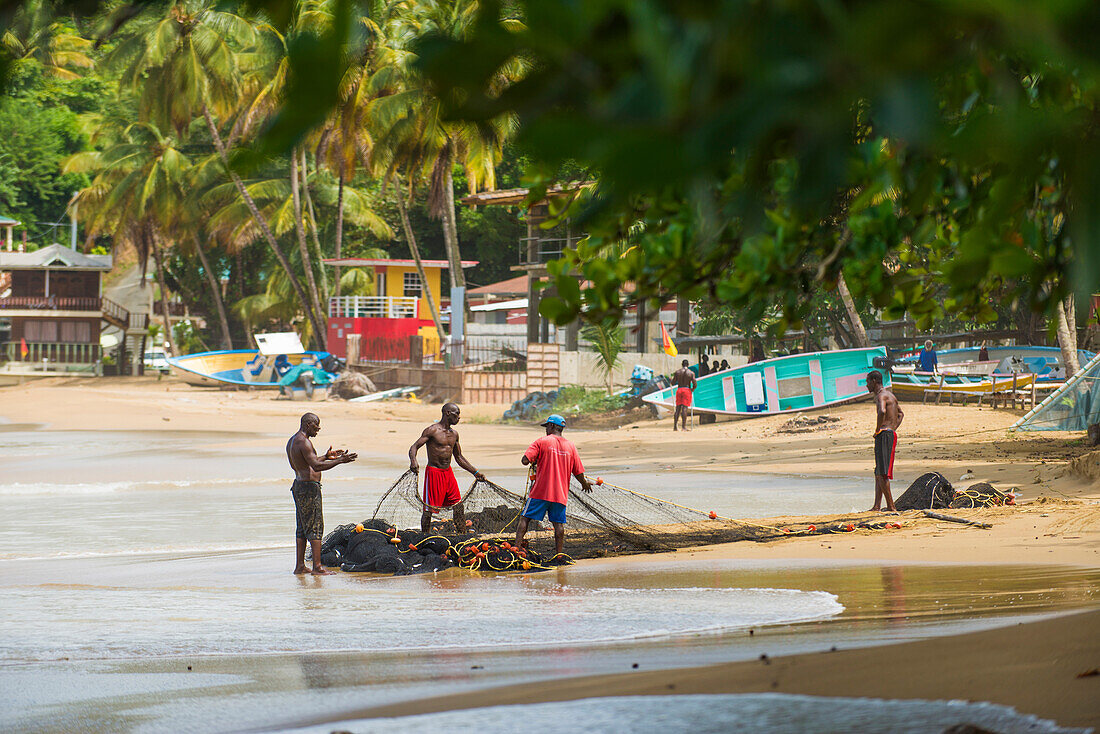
(264, 367)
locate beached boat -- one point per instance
(914, 384)
(1044, 362)
(784, 384)
(278, 353)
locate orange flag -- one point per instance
(666, 342)
(23, 351)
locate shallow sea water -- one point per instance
(149, 577)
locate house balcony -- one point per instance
(377, 307)
(35, 305)
(66, 306)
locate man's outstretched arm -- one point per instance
(461, 461)
(316, 463)
(424, 437)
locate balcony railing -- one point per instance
(537, 250)
(50, 303)
(174, 309)
(379, 307)
(53, 352)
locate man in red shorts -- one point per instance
(684, 379)
(440, 486)
(888, 419)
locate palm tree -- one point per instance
(185, 62)
(413, 133)
(35, 34)
(135, 195)
(606, 339)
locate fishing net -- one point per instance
(1073, 407)
(932, 491)
(928, 491)
(609, 520)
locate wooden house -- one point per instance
(56, 306)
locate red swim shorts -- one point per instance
(683, 396)
(440, 488)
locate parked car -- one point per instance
(156, 359)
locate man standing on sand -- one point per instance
(684, 379)
(306, 490)
(555, 458)
(927, 358)
(440, 485)
(886, 438)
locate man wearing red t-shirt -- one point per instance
(555, 458)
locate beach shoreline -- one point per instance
(1041, 668)
(1057, 522)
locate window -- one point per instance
(76, 332)
(40, 331)
(412, 284)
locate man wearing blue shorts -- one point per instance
(555, 459)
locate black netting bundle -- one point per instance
(927, 492)
(982, 494)
(932, 491)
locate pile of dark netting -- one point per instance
(378, 547)
(932, 491)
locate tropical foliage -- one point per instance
(791, 164)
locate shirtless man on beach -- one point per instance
(684, 379)
(889, 415)
(440, 485)
(306, 490)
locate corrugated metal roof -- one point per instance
(54, 257)
(359, 262)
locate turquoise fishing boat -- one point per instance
(784, 384)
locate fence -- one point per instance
(359, 307)
(57, 352)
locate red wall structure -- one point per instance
(382, 339)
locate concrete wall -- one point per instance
(583, 368)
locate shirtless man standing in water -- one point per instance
(306, 490)
(684, 379)
(886, 438)
(440, 485)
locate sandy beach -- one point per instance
(1056, 524)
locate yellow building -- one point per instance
(399, 307)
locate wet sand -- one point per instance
(1035, 668)
(1031, 668)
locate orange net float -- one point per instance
(359, 528)
(850, 527)
(395, 540)
(713, 515)
(812, 529)
(599, 481)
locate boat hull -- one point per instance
(790, 384)
(914, 384)
(228, 367)
(1044, 362)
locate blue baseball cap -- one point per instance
(554, 420)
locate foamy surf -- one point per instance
(466, 613)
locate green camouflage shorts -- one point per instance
(307, 507)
